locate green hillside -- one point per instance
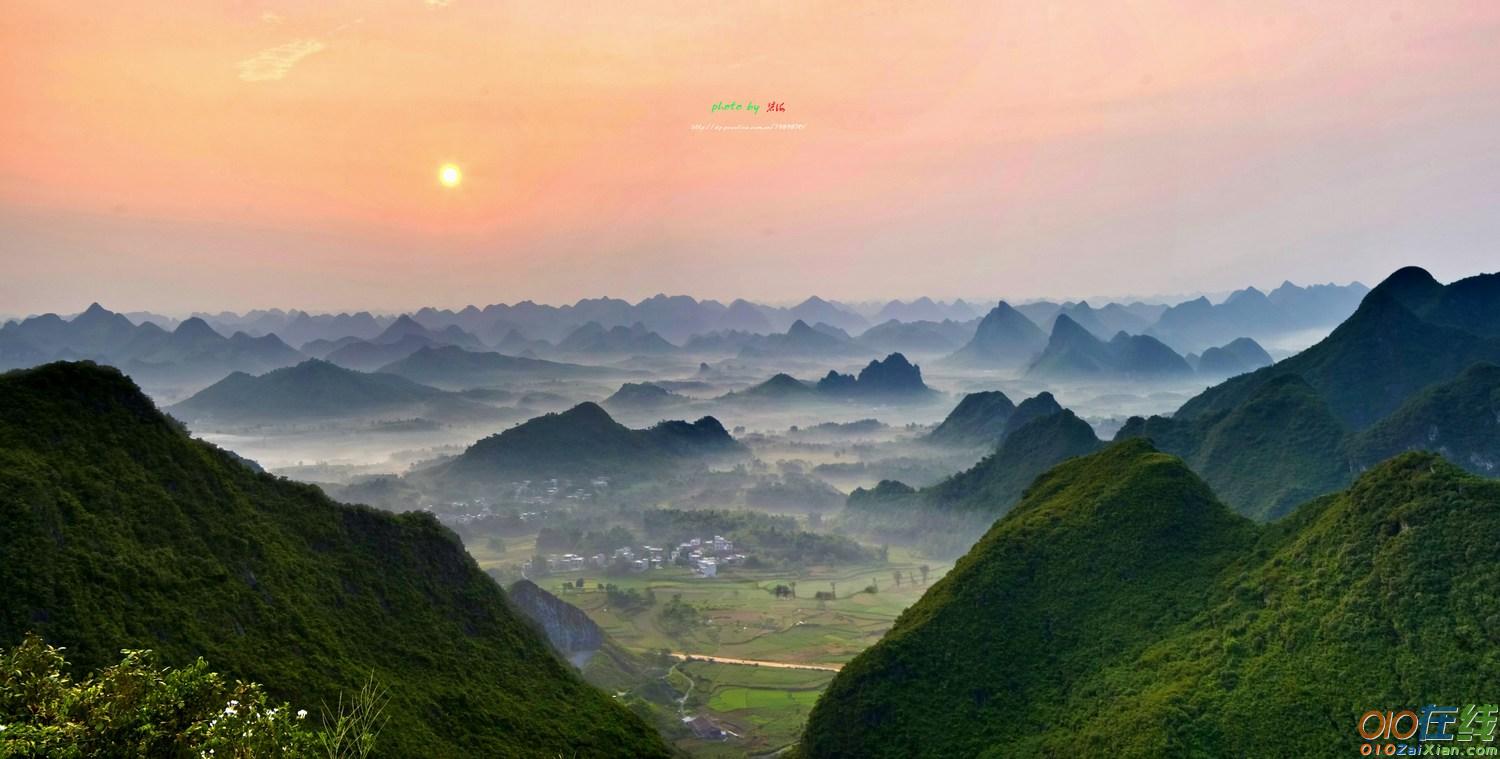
(1277, 449)
(1120, 607)
(120, 531)
(1383, 354)
(978, 420)
(997, 481)
(1412, 369)
(1459, 420)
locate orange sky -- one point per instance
(178, 156)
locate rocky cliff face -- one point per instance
(567, 628)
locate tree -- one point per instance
(896, 575)
(833, 589)
(924, 569)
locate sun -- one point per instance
(450, 175)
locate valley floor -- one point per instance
(755, 664)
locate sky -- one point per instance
(193, 156)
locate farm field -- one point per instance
(740, 616)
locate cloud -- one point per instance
(274, 63)
(437, 3)
(272, 18)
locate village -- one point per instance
(705, 556)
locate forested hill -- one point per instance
(122, 532)
(1120, 607)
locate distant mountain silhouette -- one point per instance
(593, 339)
(405, 327)
(190, 352)
(369, 356)
(779, 388)
(1073, 353)
(802, 341)
(586, 441)
(321, 347)
(513, 343)
(815, 309)
(722, 342)
(400, 339)
(918, 337)
(925, 309)
(641, 396)
(1004, 339)
(315, 390)
(744, 316)
(455, 368)
(1197, 324)
(892, 378)
(1237, 357)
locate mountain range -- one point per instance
(1392, 377)
(191, 351)
(803, 341)
(593, 339)
(1196, 324)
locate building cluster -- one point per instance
(555, 490)
(704, 556)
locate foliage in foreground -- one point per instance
(140, 708)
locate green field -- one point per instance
(765, 707)
(740, 617)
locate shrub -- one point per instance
(139, 708)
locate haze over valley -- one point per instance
(677, 513)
